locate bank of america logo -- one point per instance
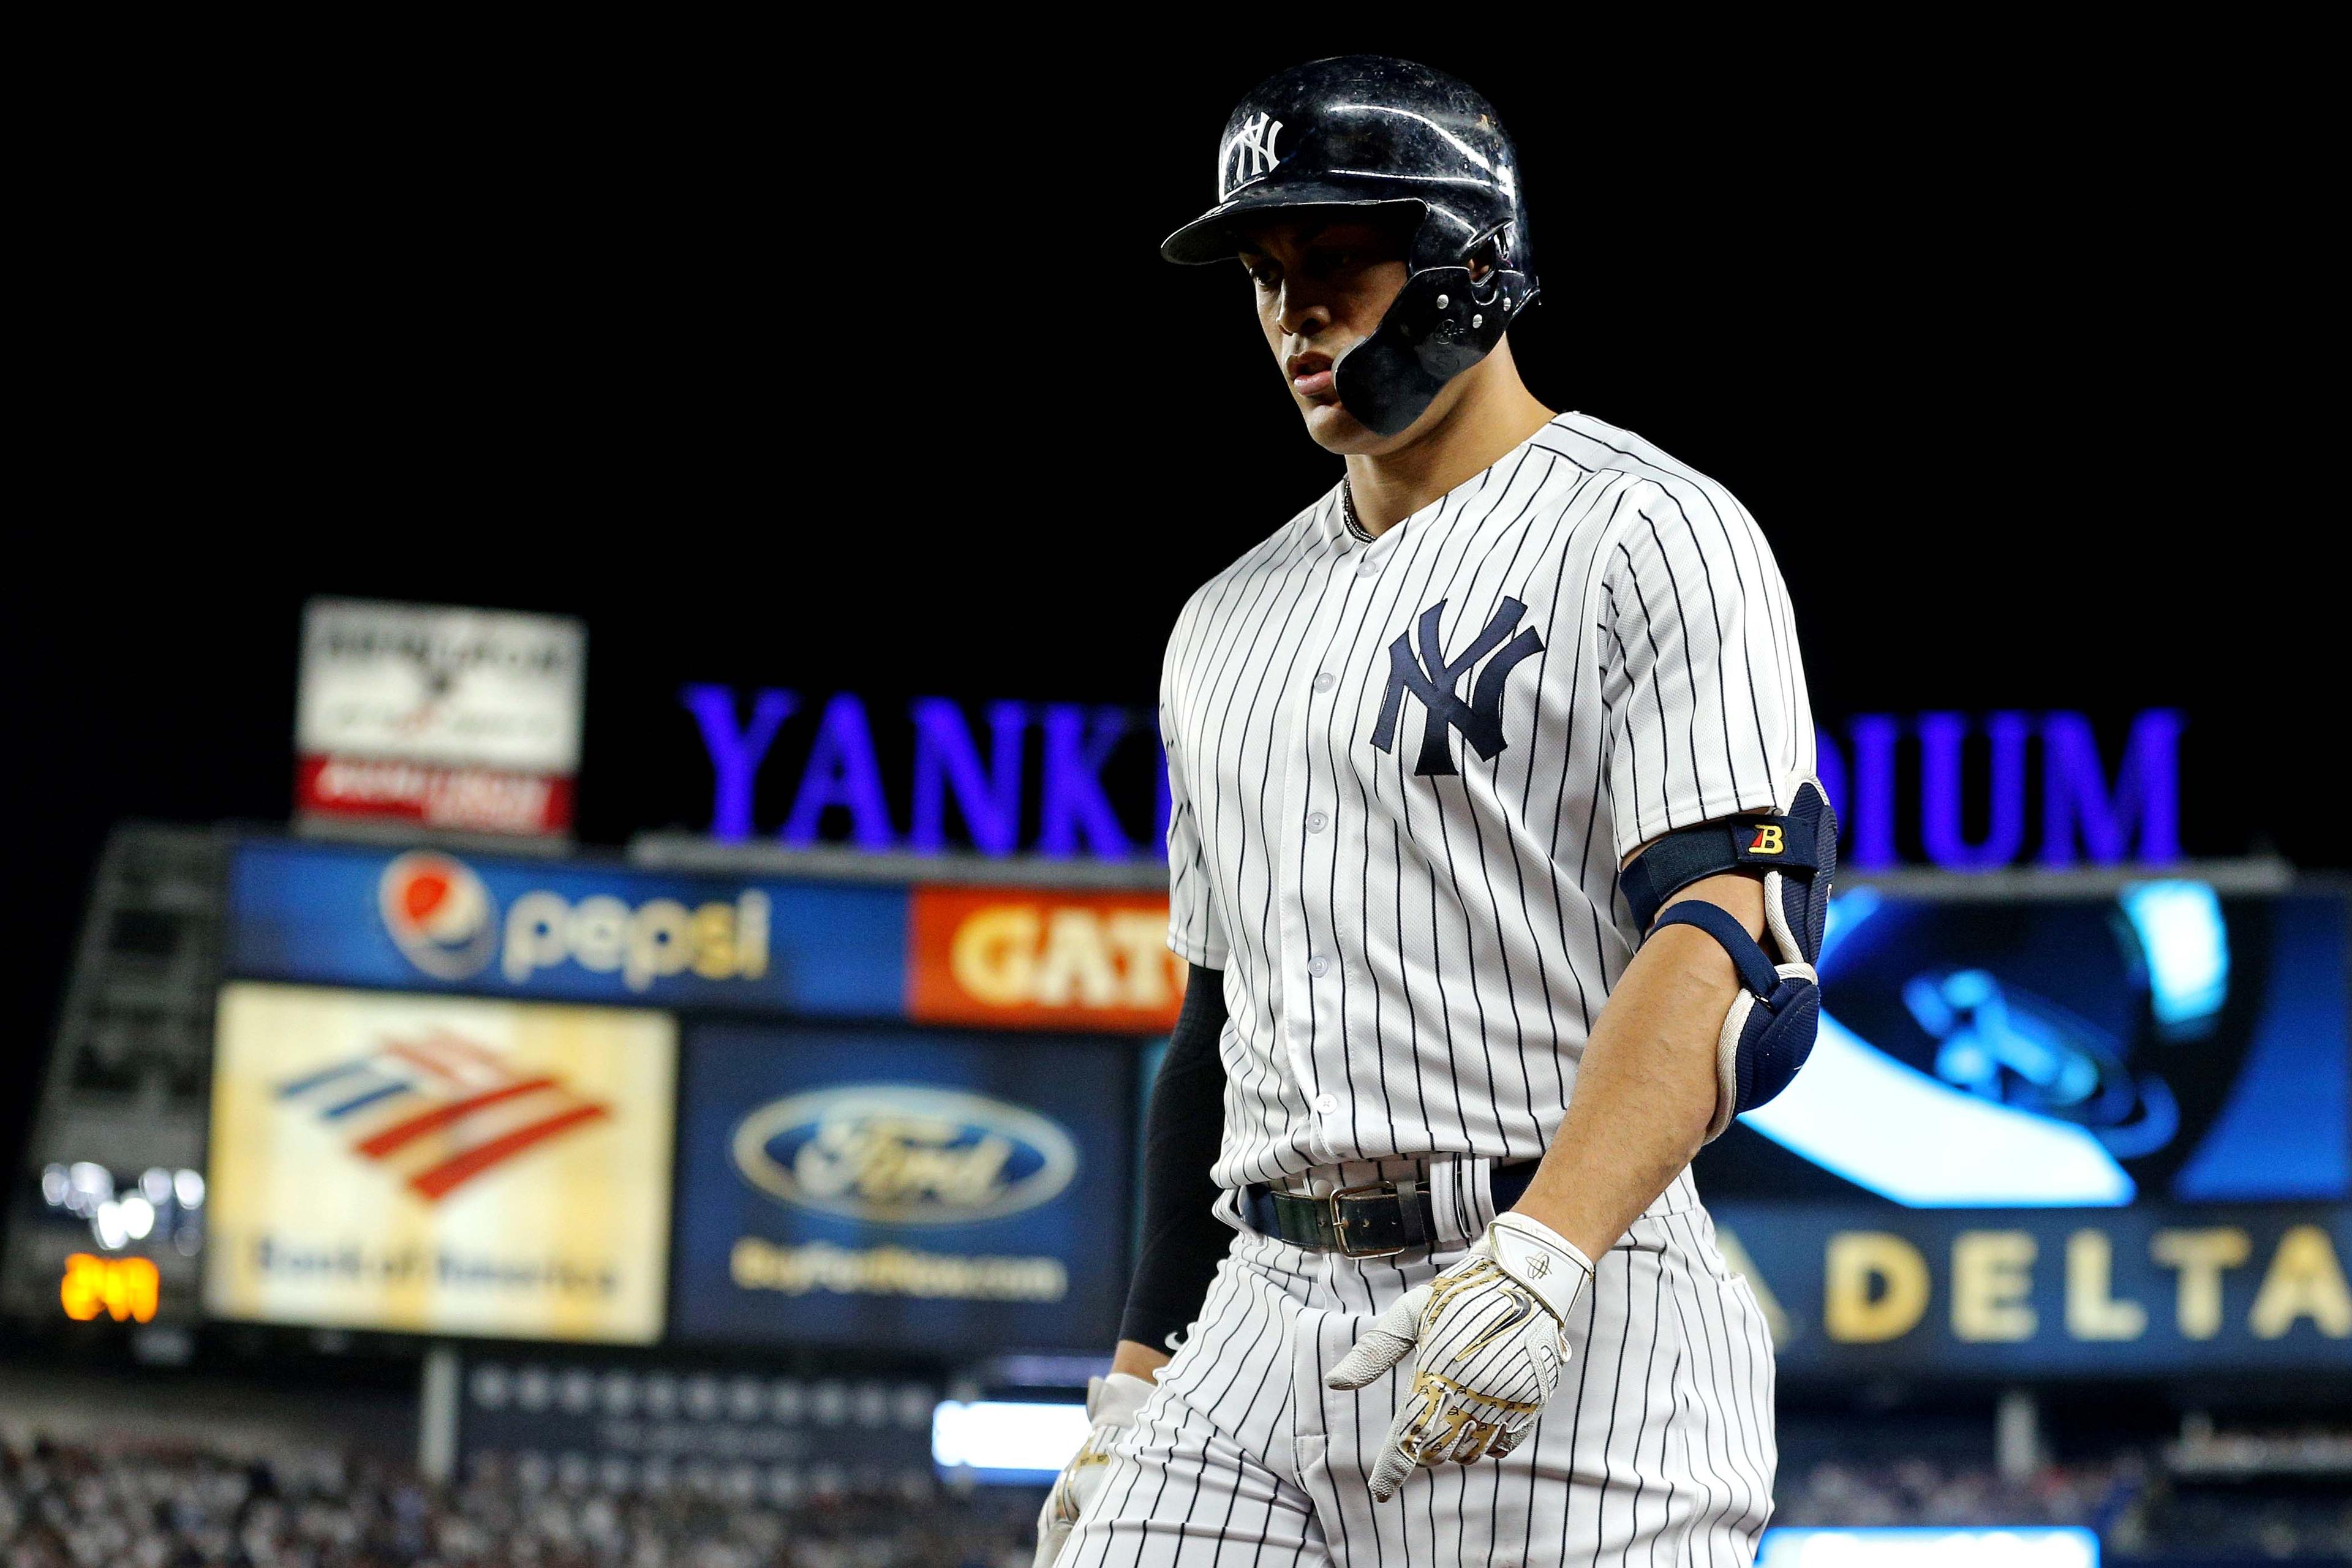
(440, 1110)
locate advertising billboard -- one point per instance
(896, 1187)
(1026, 958)
(425, 920)
(449, 718)
(2062, 1134)
(2142, 1291)
(439, 1164)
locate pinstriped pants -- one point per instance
(1656, 1448)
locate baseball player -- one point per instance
(1497, 861)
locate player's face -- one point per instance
(1321, 289)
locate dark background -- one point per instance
(858, 372)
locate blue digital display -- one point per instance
(2068, 1052)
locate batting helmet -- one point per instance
(1367, 132)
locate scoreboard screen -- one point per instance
(2059, 1134)
(2163, 1045)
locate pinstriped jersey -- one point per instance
(1403, 775)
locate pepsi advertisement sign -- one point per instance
(889, 1188)
(428, 920)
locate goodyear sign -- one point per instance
(2139, 1292)
(575, 931)
(896, 1187)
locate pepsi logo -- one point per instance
(438, 913)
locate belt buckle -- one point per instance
(1339, 1218)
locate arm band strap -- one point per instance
(1685, 855)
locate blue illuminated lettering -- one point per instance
(945, 759)
(1940, 735)
(2089, 814)
(842, 772)
(1078, 742)
(2147, 794)
(735, 755)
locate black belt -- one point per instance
(1376, 1220)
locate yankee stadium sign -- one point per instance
(1964, 792)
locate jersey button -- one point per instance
(1325, 1104)
(1318, 967)
(1316, 822)
(1326, 681)
(1368, 567)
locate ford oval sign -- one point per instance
(895, 1153)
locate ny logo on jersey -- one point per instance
(1250, 150)
(1432, 678)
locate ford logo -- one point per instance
(902, 1154)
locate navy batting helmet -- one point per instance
(1366, 131)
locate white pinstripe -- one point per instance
(1657, 1447)
(1412, 962)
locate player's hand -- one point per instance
(1492, 1344)
(1111, 1405)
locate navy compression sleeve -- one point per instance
(1182, 1240)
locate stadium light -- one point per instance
(89, 1184)
(2187, 942)
(1995, 1547)
(1007, 1440)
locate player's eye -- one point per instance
(1264, 274)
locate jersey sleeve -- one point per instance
(1700, 674)
(1194, 930)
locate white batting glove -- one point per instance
(1111, 1405)
(1492, 1339)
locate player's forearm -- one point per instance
(1138, 1359)
(1646, 1087)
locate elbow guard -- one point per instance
(1769, 1032)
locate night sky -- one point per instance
(878, 384)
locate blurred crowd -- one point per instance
(1913, 1490)
(68, 1507)
(2137, 1510)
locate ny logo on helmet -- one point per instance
(1251, 152)
(1432, 678)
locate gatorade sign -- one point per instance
(1057, 960)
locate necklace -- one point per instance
(1348, 511)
